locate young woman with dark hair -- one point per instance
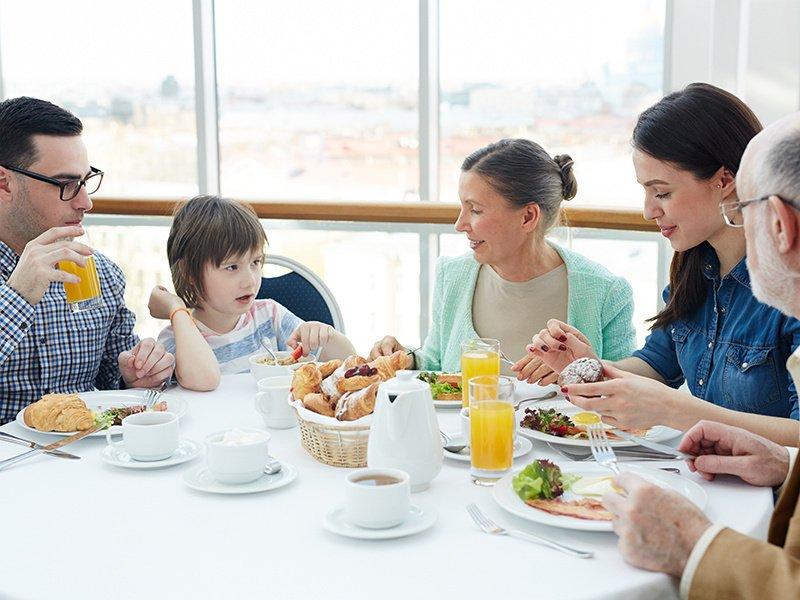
(713, 334)
(514, 280)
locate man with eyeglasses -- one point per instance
(662, 531)
(45, 182)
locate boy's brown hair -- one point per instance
(208, 229)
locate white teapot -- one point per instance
(405, 432)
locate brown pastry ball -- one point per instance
(582, 370)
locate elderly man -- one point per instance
(661, 531)
(45, 181)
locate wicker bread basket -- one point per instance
(335, 445)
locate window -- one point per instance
(127, 75)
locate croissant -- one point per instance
(353, 361)
(389, 365)
(306, 380)
(329, 367)
(318, 404)
(356, 382)
(354, 405)
(59, 412)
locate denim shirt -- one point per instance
(732, 350)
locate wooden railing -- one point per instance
(377, 212)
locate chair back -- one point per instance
(302, 292)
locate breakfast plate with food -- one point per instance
(569, 496)
(559, 422)
(445, 388)
(66, 414)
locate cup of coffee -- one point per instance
(377, 498)
(237, 455)
(272, 402)
(147, 436)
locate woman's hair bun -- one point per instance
(569, 185)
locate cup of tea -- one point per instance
(272, 402)
(147, 436)
(238, 455)
(377, 498)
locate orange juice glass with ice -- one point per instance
(491, 418)
(479, 356)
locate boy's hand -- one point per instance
(146, 365)
(311, 335)
(163, 302)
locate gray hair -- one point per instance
(779, 172)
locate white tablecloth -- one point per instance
(84, 529)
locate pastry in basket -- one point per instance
(306, 380)
(357, 378)
(354, 405)
(319, 404)
(327, 368)
(387, 366)
(329, 384)
(59, 412)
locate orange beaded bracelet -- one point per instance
(177, 310)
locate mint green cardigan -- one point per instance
(599, 304)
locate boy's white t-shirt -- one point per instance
(265, 319)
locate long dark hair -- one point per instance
(698, 129)
(523, 173)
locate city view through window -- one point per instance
(326, 108)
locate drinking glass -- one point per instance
(86, 294)
(491, 418)
(479, 356)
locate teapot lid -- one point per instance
(404, 381)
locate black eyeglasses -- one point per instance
(69, 188)
(732, 211)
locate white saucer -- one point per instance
(448, 404)
(201, 479)
(521, 447)
(119, 457)
(418, 520)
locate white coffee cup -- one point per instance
(464, 419)
(377, 498)
(272, 402)
(237, 462)
(147, 436)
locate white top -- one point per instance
(83, 529)
(265, 319)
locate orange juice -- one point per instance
(89, 286)
(475, 363)
(491, 435)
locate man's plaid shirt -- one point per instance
(48, 348)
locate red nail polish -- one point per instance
(564, 390)
(562, 347)
(546, 348)
(563, 338)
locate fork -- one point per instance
(489, 526)
(601, 449)
(152, 395)
(547, 396)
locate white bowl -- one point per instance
(260, 371)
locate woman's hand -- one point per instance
(311, 335)
(385, 347)
(163, 302)
(624, 399)
(533, 370)
(559, 344)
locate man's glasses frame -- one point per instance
(732, 211)
(91, 182)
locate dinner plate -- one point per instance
(119, 457)
(659, 433)
(200, 479)
(508, 499)
(418, 520)
(103, 400)
(521, 447)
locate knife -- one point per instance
(663, 448)
(54, 446)
(7, 437)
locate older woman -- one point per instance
(514, 280)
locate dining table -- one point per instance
(86, 529)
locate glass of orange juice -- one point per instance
(479, 356)
(85, 295)
(491, 424)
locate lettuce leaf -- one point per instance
(542, 479)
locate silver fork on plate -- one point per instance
(601, 449)
(489, 526)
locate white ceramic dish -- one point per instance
(521, 447)
(260, 371)
(658, 433)
(507, 498)
(418, 520)
(200, 479)
(103, 400)
(118, 457)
